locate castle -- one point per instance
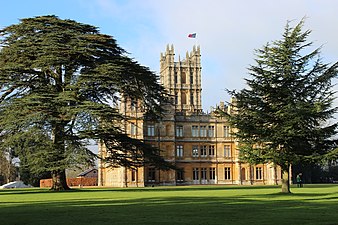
(198, 143)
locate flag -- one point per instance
(193, 35)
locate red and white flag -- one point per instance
(193, 35)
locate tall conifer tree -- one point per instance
(60, 84)
(284, 114)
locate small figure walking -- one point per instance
(299, 180)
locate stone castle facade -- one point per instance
(198, 143)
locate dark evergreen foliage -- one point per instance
(60, 84)
(284, 115)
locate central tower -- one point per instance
(182, 79)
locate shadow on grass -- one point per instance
(29, 191)
(174, 210)
(138, 189)
(264, 208)
(162, 189)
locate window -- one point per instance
(151, 174)
(183, 98)
(191, 78)
(226, 131)
(212, 173)
(183, 78)
(133, 104)
(194, 131)
(227, 173)
(176, 98)
(211, 131)
(227, 151)
(194, 151)
(211, 150)
(179, 131)
(133, 129)
(203, 150)
(203, 173)
(195, 174)
(151, 130)
(191, 98)
(133, 175)
(259, 173)
(203, 131)
(180, 175)
(179, 150)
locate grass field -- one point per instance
(313, 204)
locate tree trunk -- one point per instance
(9, 167)
(251, 174)
(59, 181)
(275, 174)
(286, 180)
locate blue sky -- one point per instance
(228, 31)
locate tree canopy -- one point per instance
(285, 114)
(60, 86)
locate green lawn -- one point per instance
(313, 204)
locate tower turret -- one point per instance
(182, 79)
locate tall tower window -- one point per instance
(191, 98)
(184, 98)
(191, 78)
(183, 80)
